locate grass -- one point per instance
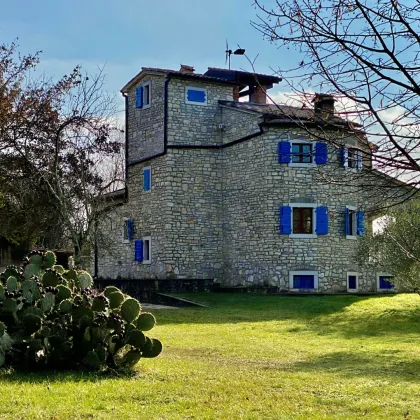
(251, 357)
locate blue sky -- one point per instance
(128, 34)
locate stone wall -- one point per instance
(195, 124)
(146, 126)
(255, 185)
(238, 124)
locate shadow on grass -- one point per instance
(322, 314)
(378, 365)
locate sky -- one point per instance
(125, 35)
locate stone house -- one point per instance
(234, 191)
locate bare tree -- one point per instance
(365, 54)
(58, 144)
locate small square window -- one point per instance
(303, 220)
(301, 153)
(352, 158)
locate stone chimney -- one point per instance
(323, 104)
(258, 95)
(186, 69)
(236, 93)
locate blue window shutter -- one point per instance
(146, 180)
(360, 223)
(322, 220)
(284, 151)
(344, 157)
(347, 219)
(138, 250)
(321, 152)
(196, 96)
(285, 220)
(139, 97)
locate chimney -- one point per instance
(258, 95)
(236, 93)
(186, 69)
(323, 103)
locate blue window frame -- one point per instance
(301, 153)
(384, 282)
(303, 281)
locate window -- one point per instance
(303, 220)
(195, 95)
(143, 95)
(383, 281)
(302, 153)
(351, 158)
(127, 231)
(147, 250)
(303, 280)
(354, 222)
(352, 281)
(147, 179)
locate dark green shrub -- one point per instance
(51, 317)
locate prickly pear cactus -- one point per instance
(51, 317)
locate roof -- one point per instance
(243, 77)
(177, 74)
(282, 114)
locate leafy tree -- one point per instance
(58, 144)
(365, 54)
(396, 246)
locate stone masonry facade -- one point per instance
(212, 211)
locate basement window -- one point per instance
(352, 281)
(303, 280)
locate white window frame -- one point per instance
(302, 165)
(356, 274)
(145, 169)
(359, 153)
(304, 235)
(124, 240)
(353, 236)
(193, 102)
(378, 289)
(303, 273)
(145, 106)
(144, 239)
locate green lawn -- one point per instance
(251, 357)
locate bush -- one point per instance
(51, 317)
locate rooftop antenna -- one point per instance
(239, 51)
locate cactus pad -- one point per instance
(66, 306)
(146, 321)
(47, 302)
(130, 310)
(152, 348)
(2, 291)
(59, 268)
(110, 289)
(49, 259)
(84, 280)
(115, 299)
(63, 292)
(92, 360)
(99, 304)
(31, 270)
(131, 358)
(10, 305)
(12, 284)
(136, 338)
(50, 278)
(2, 329)
(35, 257)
